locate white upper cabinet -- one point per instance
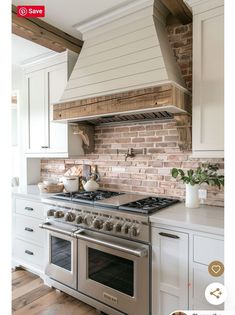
(57, 79)
(36, 111)
(208, 78)
(45, 83)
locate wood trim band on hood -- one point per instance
(167, 97)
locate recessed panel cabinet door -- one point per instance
(37, 112)
(169, 271)
(58, 132)
(208, 83)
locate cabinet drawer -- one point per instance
(29, 208)
(31, 254)
(27, 228)
(206, 250)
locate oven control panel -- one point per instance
(111, 224)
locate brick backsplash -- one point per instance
(157, 151)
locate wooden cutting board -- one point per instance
(78, 170)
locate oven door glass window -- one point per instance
(61, 252)
(113, 271)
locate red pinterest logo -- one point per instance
(31, 11)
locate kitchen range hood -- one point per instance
(126, 69)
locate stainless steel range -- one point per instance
(99, 248)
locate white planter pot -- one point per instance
(192, 199)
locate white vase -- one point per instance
(192, 199)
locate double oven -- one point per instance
(108, 269)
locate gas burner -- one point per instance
(148, 205)
(87, 197)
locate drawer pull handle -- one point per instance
(28, 229)
(29, 208)
(169, 235)
(44, 147)
(28, 252)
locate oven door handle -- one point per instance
(135, 252)
(49, 227)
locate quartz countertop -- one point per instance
(209, 219)
(30, 191)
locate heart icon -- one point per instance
(216, 268)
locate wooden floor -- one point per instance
(31, 297)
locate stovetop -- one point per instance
(87, 197)
(118, 201)
(148, 205)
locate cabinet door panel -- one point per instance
(36, 111)
(208, 81)
(169, 302)
(169, 271)
(58, 133)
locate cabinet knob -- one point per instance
(169, 235)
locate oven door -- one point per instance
(114, 271)
(61, 258)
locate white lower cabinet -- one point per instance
(205, 248)
(180, 260)
(28, 246)
(169, 271)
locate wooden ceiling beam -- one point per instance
(44, 34)
(179, 9)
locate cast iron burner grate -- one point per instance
(87, 197)
(148, 205)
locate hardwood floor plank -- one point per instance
(23, 279)
(26, 288)
(18, 273)
(31, 296)
(38, 306)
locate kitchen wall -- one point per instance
(18, 156)
(155, 145)
(180, 38)
(157, 151)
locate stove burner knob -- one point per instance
(50, 213)
(59, 214)
(125, 228)
(134, 230)
(98, 224)
(79, 219)
(88, 219)
(108, 226)
(70, 217)
(118, 227)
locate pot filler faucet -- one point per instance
(130, 153)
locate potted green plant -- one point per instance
(205, 173)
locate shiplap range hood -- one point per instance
(124, 50)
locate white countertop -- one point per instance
(30, 191)
(209, 219)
